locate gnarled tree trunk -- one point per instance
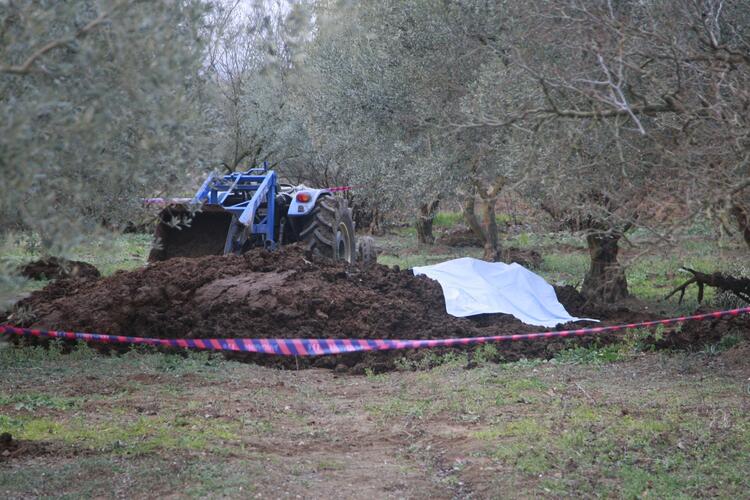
(743, 222)
(470, 215)
(488, 201)
(605, 282)
(425, 217)
(374, 228)
(486, 198)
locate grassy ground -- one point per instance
(151, 424)
(126, 251)
(612, 421)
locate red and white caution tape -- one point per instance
(323, 347)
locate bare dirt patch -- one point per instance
(13, 449)
(738, 357)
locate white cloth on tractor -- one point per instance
(472, 286)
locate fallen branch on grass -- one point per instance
(738, 286)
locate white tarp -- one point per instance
(473, 286)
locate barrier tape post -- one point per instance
(324, 347)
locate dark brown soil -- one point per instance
(462, 237)
(695, 335)
(260, 294)
(284, 294)
(12, 448)
(530, 259)
(54, 268)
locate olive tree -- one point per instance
(632, 103)
(101, 105)
(250, 59)
(384, 82)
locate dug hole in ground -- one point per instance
(288, 294)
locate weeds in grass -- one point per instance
(480, 355)
(590, 355)
(632, 342)
(41, 359)
(528, 419)
(486, 353)
(32, 402)
(401, 407)
(523, 240)
(26, 355)
(137, 477)
(727, 342)
(188, 362)
(522, 364)
(143, 435)
(564, 269)
(428, 359)
(643, 339)
(447, 219)
(597, 452)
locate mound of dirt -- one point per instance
(260, 294)
(696, 334)
(530, 259)
(284, 294)
(574, 302)
(54, 268)
(461, 237)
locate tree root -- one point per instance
(738, 286)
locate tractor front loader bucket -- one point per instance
(234, 211)
(182, 232)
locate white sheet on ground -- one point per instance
(472, 286)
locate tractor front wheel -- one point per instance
(330, 232)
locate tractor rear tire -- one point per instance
(330, 232)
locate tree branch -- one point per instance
(738, 286)
(26, 67)
(539, 113)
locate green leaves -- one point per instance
(98, 121)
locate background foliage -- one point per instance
(610, 116)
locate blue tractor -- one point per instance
(242, 210)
